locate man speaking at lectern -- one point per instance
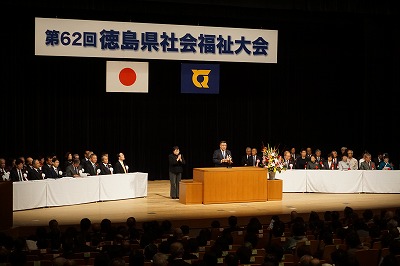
(222, 157)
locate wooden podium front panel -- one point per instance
(237, 184)
(275, 189)
(190, 192)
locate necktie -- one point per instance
(20, 175)
(76, 170)
(123, 166)
(254, 160)
(223, 154)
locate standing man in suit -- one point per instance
(120, 167)
(105, 166)
(222, 157)
(246, 158)
(74, 168)
(255, 158)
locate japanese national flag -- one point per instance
(125, 76)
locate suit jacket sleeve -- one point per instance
(217, 157)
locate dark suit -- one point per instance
(246, 161)
(35, 174)
(90, 170)
(327, 167)
(70, 171)
(363, 166)
(14, 175)
(118, 168)
(105, 170)
(217, 157)
(253, 161)
(289, 162)
(46, 169)
(50, 172)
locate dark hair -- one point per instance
(18, 161)
(76, 161)
(222, 141)
(54, 159)
(175, 148)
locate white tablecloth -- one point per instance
(335, 181)
(70, 191)
(293, 180)
(332, 181)
(123, 186)
(384, 181)
(29, 194)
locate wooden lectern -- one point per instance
(237, 184)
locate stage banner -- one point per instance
(108, 39)
(125, 76)
(200, 78)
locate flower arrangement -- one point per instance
(271, 159)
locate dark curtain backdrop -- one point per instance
(335, 84)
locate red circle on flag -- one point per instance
(127, 76)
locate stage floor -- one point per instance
(158, 206)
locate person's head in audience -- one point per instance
(368, 215)
(298, 229)
(347, 211)
(232, 221)
(185, 229)
(231, 259)
(176, 250)
(131, 222)
(215, 224)
(293, 215)
(85, 224)
(177, 233)
(160, 259)
(150, 250)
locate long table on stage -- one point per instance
(237, 184)
(70, 191)
(335, 181)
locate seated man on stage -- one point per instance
(222, 157)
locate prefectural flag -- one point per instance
(125, 76)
